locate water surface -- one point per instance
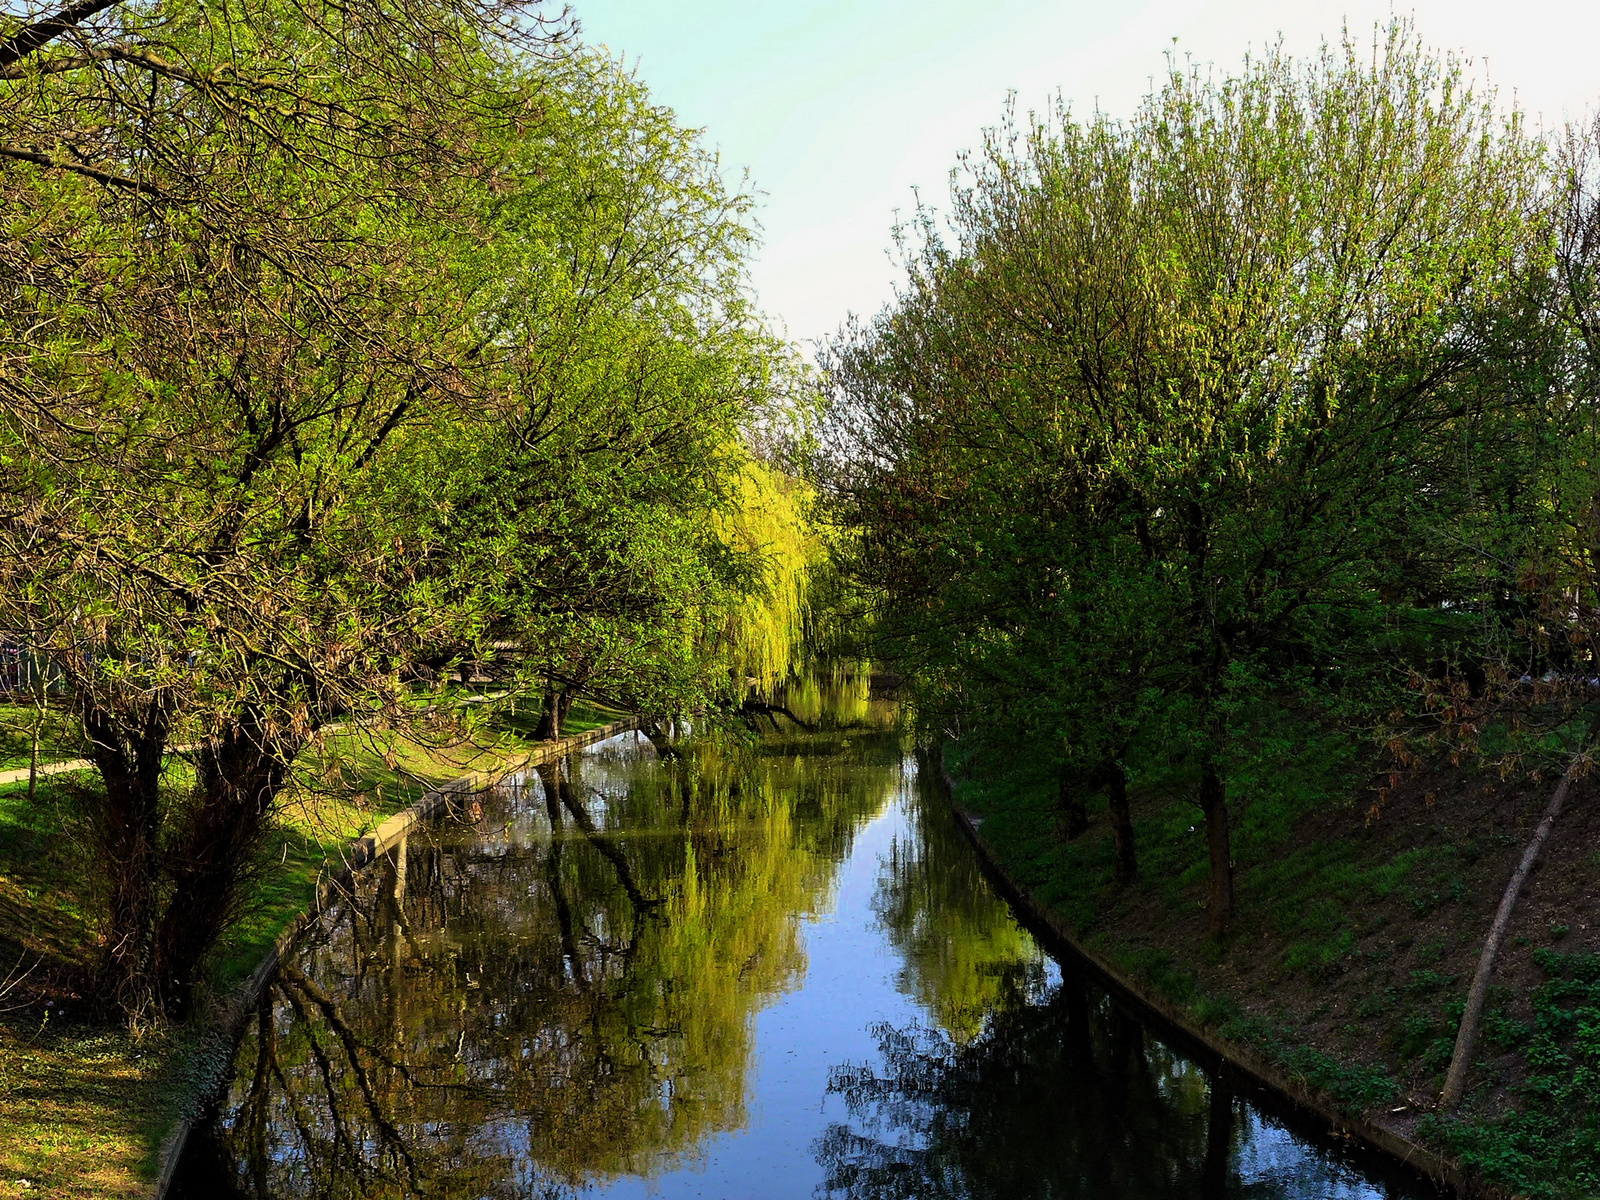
(768, 970)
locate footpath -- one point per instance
(20, 774)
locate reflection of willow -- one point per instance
(1060, 1099)
(842, 702)
(561, 1004)
(961, 947)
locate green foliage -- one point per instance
(642, 552)
(339, 374)
(962, 947)
(1164, 433)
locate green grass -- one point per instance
(1547, 1145)
(57, 740)
(44, 907)
(81, 1109)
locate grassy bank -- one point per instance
(1357, 932)
(83, 1108)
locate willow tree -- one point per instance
(637, 528)
(1209, 364)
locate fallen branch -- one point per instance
(1455, 1081)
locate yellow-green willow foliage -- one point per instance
(765, 629)
(963, 950)
(840, 698)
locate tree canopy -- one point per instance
(1188, 414)
(347, 349)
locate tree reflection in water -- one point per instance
(1029, 1084)
(562, 998)
(961, 948)
(1058, 1099)
(559, 997)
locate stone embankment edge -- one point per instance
(230, 1018)
(1387, 1142)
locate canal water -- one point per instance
(761, 970)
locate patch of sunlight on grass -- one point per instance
(82, 1112)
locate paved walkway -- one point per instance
(55, 768)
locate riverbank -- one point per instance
(1357, 928)
(84, 1110)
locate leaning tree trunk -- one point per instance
(1219, 843)
(1455, 1080)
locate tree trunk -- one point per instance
(545, 730)
(238, 780)
(1455, 1081)
(1074, 818)
(33, 753)
(126, 817)
(556, 704)
(1127, 865)
(1219, 843)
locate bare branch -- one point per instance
(99, 176)
(31, 38)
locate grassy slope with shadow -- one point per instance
(1355, 938)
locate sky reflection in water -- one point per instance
(771, 972)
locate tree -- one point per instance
(270, 335)
(623, 495)
(1538, 692)
(1215, 359)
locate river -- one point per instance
(764, 970)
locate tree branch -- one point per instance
(41, 33)
(99, 176)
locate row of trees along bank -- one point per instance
(348, 348)
(1278, 395)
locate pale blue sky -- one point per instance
(839, 110)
